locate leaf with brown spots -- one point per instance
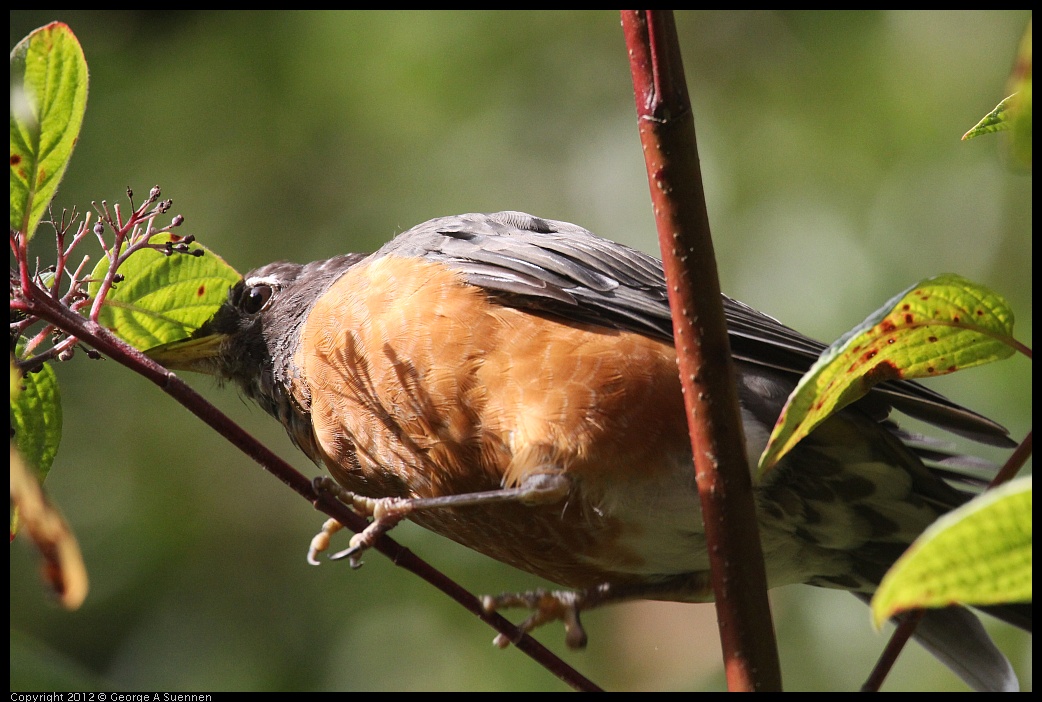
(163, 298)
(938, 326)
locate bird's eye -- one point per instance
(256, 298)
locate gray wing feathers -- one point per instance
(958, 639)
(563, 269)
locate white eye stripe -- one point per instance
(264, 280)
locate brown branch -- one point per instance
(901, 636)
(1014, 463)
(667, 134)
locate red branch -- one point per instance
(667, 134)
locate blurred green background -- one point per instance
(835, 177)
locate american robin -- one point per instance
(525, 368)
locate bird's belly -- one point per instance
(459, 395)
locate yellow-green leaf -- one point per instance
(979, 554)
(938, 326)
(995, 121)
(36, 418)
(1013, 113)
(163, 298)
(48, 100)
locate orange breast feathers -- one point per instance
(441, 390)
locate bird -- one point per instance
(519, 374)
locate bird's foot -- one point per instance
(549, 606)
(387, 512)
(565, 605)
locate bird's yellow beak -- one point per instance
(198, 354)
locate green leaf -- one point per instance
(36, 417)
(1014, 113)
(995, 121)
(938, 326)
(48, 100)
(979, 554)
(163, 298)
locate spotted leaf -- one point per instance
(163, 298)
(938, 326)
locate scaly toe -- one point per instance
(546, 606)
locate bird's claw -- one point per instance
(321, 540)
(546, 606)
(386, 513)
(352, 553)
